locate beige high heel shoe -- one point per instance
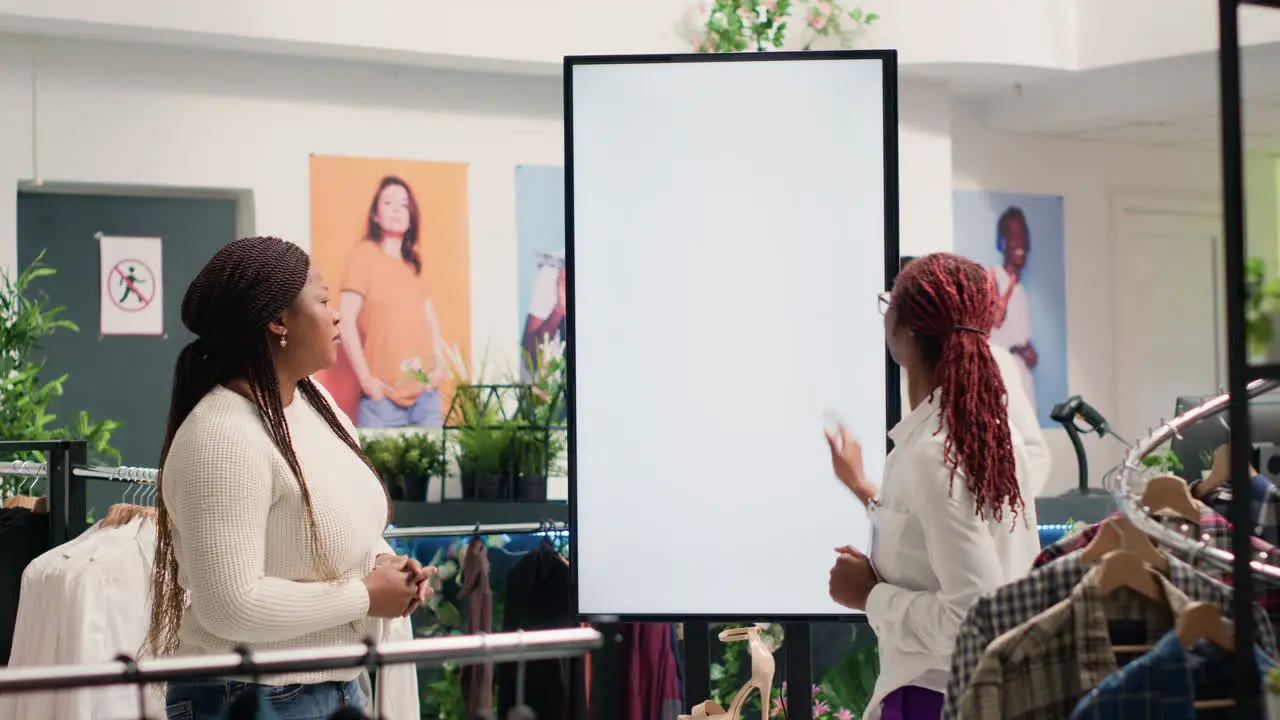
(761, 679)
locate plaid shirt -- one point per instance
(998, 612)
(1214, 530)
(1162, 684)
(1266, 507)
(1041, 669)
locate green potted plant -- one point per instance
(484, 450)
(1262, 301)
(26, 319)
(422, 460)
(1164, 460)
(537, 443)
(387, 453)
(762, 25)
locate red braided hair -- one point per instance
(949, 304)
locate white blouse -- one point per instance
(935, 556)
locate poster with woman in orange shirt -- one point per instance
(391, 235)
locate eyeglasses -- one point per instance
(884, 303)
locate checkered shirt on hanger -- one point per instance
(1041, 669)
(1162, 684)
(998, 612)
(1214, 530)
(1266, 507)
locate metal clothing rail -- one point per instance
(464, 649)
(1128, 492)
(147, 476)
(124, 473)
(482, 529)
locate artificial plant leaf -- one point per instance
(449, 615)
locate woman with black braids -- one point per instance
(951, 520)
(271, 517)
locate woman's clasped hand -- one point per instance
(397, 586)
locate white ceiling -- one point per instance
(1172, 103)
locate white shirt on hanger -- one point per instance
(934, 555)
(85, 602)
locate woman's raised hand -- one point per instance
(846, 458)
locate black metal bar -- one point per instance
(697, 661)
(60, 495)
(798, 651)
(465, 512)
(77, 455)
(606, 671)
(1238, 371)
(578, 689)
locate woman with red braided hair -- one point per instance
(951, 520)
(271, 518)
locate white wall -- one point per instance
(160, 117)
(1089, 175)
(151, 117)
(167, 118)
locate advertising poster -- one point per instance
(540, 228)
(391, 238)
(1019, 239)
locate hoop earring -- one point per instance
(283, 342)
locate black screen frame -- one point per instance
(888, 60)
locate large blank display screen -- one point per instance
(727, 242)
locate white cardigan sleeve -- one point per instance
(218, 489)
(961, 553)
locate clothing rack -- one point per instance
(477, 529)
(147, 476)
(66, 495)
(1128, 490)
(464, 649)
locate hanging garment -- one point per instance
(1214, 529)
(1166, 682)
(396, 695)
(85, 601)
(24, 535)
(538, 597)
(652, 689)
(996, 613)
(477, 680)
(1266, 507)
(678, 654)
(1042, 668)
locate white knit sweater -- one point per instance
(242, 539)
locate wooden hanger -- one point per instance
(1168, 495)
(1118, 533)
(1202, 621)
(20, 501)
(1127, 569)
(122, 514)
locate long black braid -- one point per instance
(243, 288)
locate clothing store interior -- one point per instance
(675, 360)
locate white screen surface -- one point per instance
(728, 246)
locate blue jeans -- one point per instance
(424, 412)
(209, 699)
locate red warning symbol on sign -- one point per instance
(131, 285)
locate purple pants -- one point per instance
(912, 703)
